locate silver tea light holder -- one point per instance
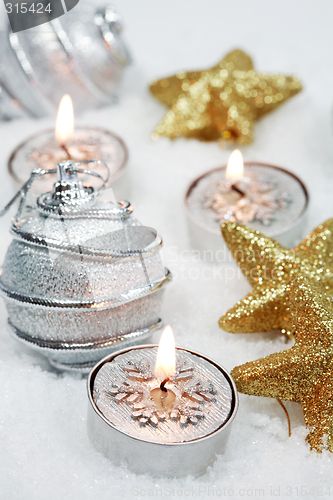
(265, 197)
(128, 424)
(65, 142)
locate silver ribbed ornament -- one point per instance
(82, 277)
(81, 53)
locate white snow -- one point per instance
(44, 449)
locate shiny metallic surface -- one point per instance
(80, 53)
(286, 225)
(82, 357)
(22, 99)
(81, 270)
(80, 324)
(172, 447)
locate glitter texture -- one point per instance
(81, 274)
(62, 276)
(57, 326)
(268, 266)
(203, 403)
(303, 373)
(222, 102)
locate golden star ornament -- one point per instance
(304, 373)
(269, 266)
(222, 102)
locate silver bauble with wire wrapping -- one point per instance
(82, 277)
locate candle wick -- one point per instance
(65, 148)
(162, 386)
(239, 191)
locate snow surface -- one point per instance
(44, 448)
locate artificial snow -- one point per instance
(45, 452)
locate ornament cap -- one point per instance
(68, 188)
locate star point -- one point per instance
(269, 266)
(303, 373)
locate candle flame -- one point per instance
(235, 168)
(166, 356)
(65, 120)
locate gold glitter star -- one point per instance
(304, 373)
(269, 266)
(222, 102)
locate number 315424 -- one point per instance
(21, 8)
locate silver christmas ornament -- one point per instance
(82, 277)
(81, 53)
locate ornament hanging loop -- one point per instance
(67, 169)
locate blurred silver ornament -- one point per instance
(82, 277)
(81, 53)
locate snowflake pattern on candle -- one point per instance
(191, 395)
(257, 199)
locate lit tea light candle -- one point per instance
(165, 369)
(235, 167)
(64, 131)
(52, 146)
(65, 122)
(267, 198)
(233, 174)
(164, 411)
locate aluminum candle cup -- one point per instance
(267, 198)
(127, 426)
(82, 276)
(42, 151)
